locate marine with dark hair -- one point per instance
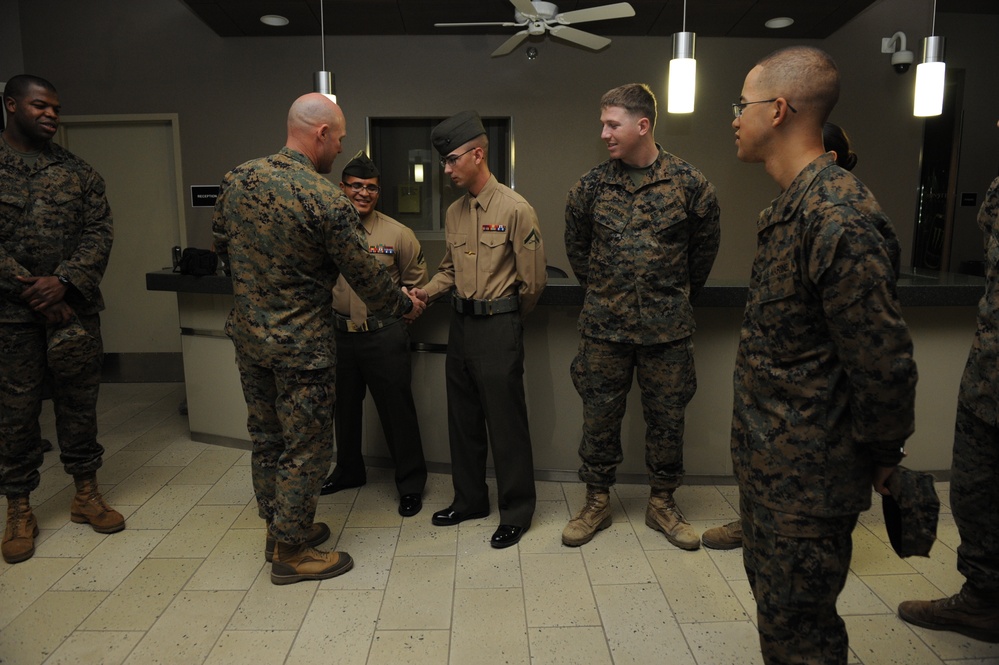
(55, 241)
(641, 234)
(824, 379)
(372, 353)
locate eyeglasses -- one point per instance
(358, 186)
(737, 109)
(451, 160)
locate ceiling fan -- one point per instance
(537, 18)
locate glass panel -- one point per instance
(415, 190)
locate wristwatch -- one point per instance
(64, 281)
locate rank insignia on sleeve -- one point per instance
(533, 239)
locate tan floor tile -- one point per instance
(372, 551)
(143, 596)
(724, 643)
(353, 613)
(744, 593)
(122, 464)
(873, 556)
(110, 562)
(167, 507)
(23, 583)
(408, 647)
(69, 541)
(42, 627)
(418, 537)
(545, 534)
(419, 594)
(267, 606)
(557, 590)
(141, 485)
(728, 562)
(886, 640)
(940, 569)
(233, 564)
(188, 629)
(694, 588)
(99, 647)
(704, 503)
(616, 557)
(249, 518)
(233, 488)
(489, 626)
(197, 534)
(376, 505)
(857, 598)
(208, 467)
(547, 490)
(181, 452)
(481, 566)
(569, 646)
(251, 646)
(893, 589)
(640, 625)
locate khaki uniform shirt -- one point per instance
(825, 382)
(642, 252)
(396, 247)
(54, 220)
(978, 385)
(494, 248)
(288, 233)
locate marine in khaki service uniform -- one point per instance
(974, 483)
(492, 274)
(372, 353)
(55, 240)
(641, 234)
(824, 379)
(288, 233)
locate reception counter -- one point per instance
(940, 310)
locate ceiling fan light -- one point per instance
(682, 74)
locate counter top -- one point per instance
(916, 288)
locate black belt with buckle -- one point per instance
(345, 324)
(484, 307)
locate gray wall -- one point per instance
(154, 56)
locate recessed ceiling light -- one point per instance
(273, 19)
(779, 22)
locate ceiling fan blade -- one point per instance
(587, 39)
(524, 7)
(510, 44)
(618, 10)
(505, 24)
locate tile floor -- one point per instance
(186, 581)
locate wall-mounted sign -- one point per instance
(204, 196)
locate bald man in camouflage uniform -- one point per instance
(974, 483)
(641, 233)
(824, 378)
(288, 233)
(55, 240)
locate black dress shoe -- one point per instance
(336, 482)
(410, 504)
(450, 516)
(507, 535)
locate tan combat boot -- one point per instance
(964, 613)
(19, 536)
(317, 535)
(663, 515)
(89, 507)
(297, 563)
(725, 537)
(594, 516)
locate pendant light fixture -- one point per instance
(682, 70)
(323, 81)
(931, 73)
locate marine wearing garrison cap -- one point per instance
(456, 131)
(361, 166)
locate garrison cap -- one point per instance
(456, 131)
(361, 166)
(911, 512)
